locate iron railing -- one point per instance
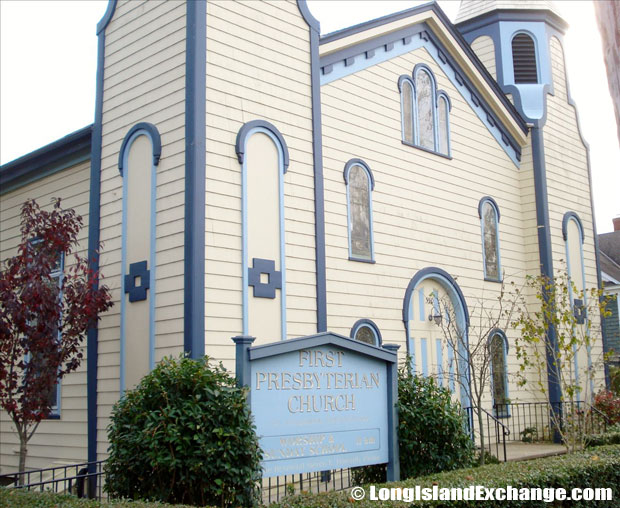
(76, 479)
(82, 480)
(536, 421)
(494, 431)
(275, 489)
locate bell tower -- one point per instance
(513, 40)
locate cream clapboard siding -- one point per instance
(258, 67)
(485, 50)
(425, 207)
(567, 178)
(63, 439)
(144, 81)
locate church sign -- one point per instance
(321, 402)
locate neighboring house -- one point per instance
(609, 252)
(247, 176)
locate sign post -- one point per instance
(322, 402)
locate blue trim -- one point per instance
(496, 332)
(195, 179)
(410, 341)
(568, 216)
(244, 134)
(151, 132)
(422, 67)
(94, 217)
(545, 255)
(435, 273)
(371, 187)
(317, 155)
(534, 39)
(458, 300)
(439, 361)
(441, 94)
(107, 17)
(61, 154)
(572, 216)
(424, 354)
(491, 201)
(248, 128)
(451, 380)
(155, 140)
(312, 22)
(368, 324)
(358, 162)
(401, 80)
(452, 29)
(421, 302)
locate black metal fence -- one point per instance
(275, 489)
(492, 439)
(536, 421)
(75, 479)
(82, 480)
(532, 422)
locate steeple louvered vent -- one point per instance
(524, 59)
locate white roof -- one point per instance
(473, 8)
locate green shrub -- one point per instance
(431, 432)
(431, 429)
(596, 467)
(16, 498)
(184, 435)
(610, 436)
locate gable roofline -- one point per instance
(449, 35)
(67, 151)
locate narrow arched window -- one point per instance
(524, 59)
(366, 331)
(425, 105)
(499, 375)
(406, 103)
(443, 123)
(489, 220)
(360, 183)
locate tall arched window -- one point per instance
(406, 97)
(488, 212)
(360, 183)
(498, 348)
(524, 59)
(425, 106)
(366, 331)
(425, 111)
(443, 123)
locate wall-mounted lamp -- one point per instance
(435, 317)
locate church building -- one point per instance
(247, 175)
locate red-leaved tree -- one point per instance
(44, 316)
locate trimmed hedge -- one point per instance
(595, 468)
(23, 499)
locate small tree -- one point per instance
(573, 314)
(472, 348)
(43, 320)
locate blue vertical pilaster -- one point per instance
(393, 467)
(242, 359)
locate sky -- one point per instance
(48, 56)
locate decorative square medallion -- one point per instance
(264, 289)
(137, 270)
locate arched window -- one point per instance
(524, 59)
(406, 103)
(425, 111)
(489, 221)
(443, 123)
(425, 106)
(360, 183)
(498, 348)
(366, 331)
